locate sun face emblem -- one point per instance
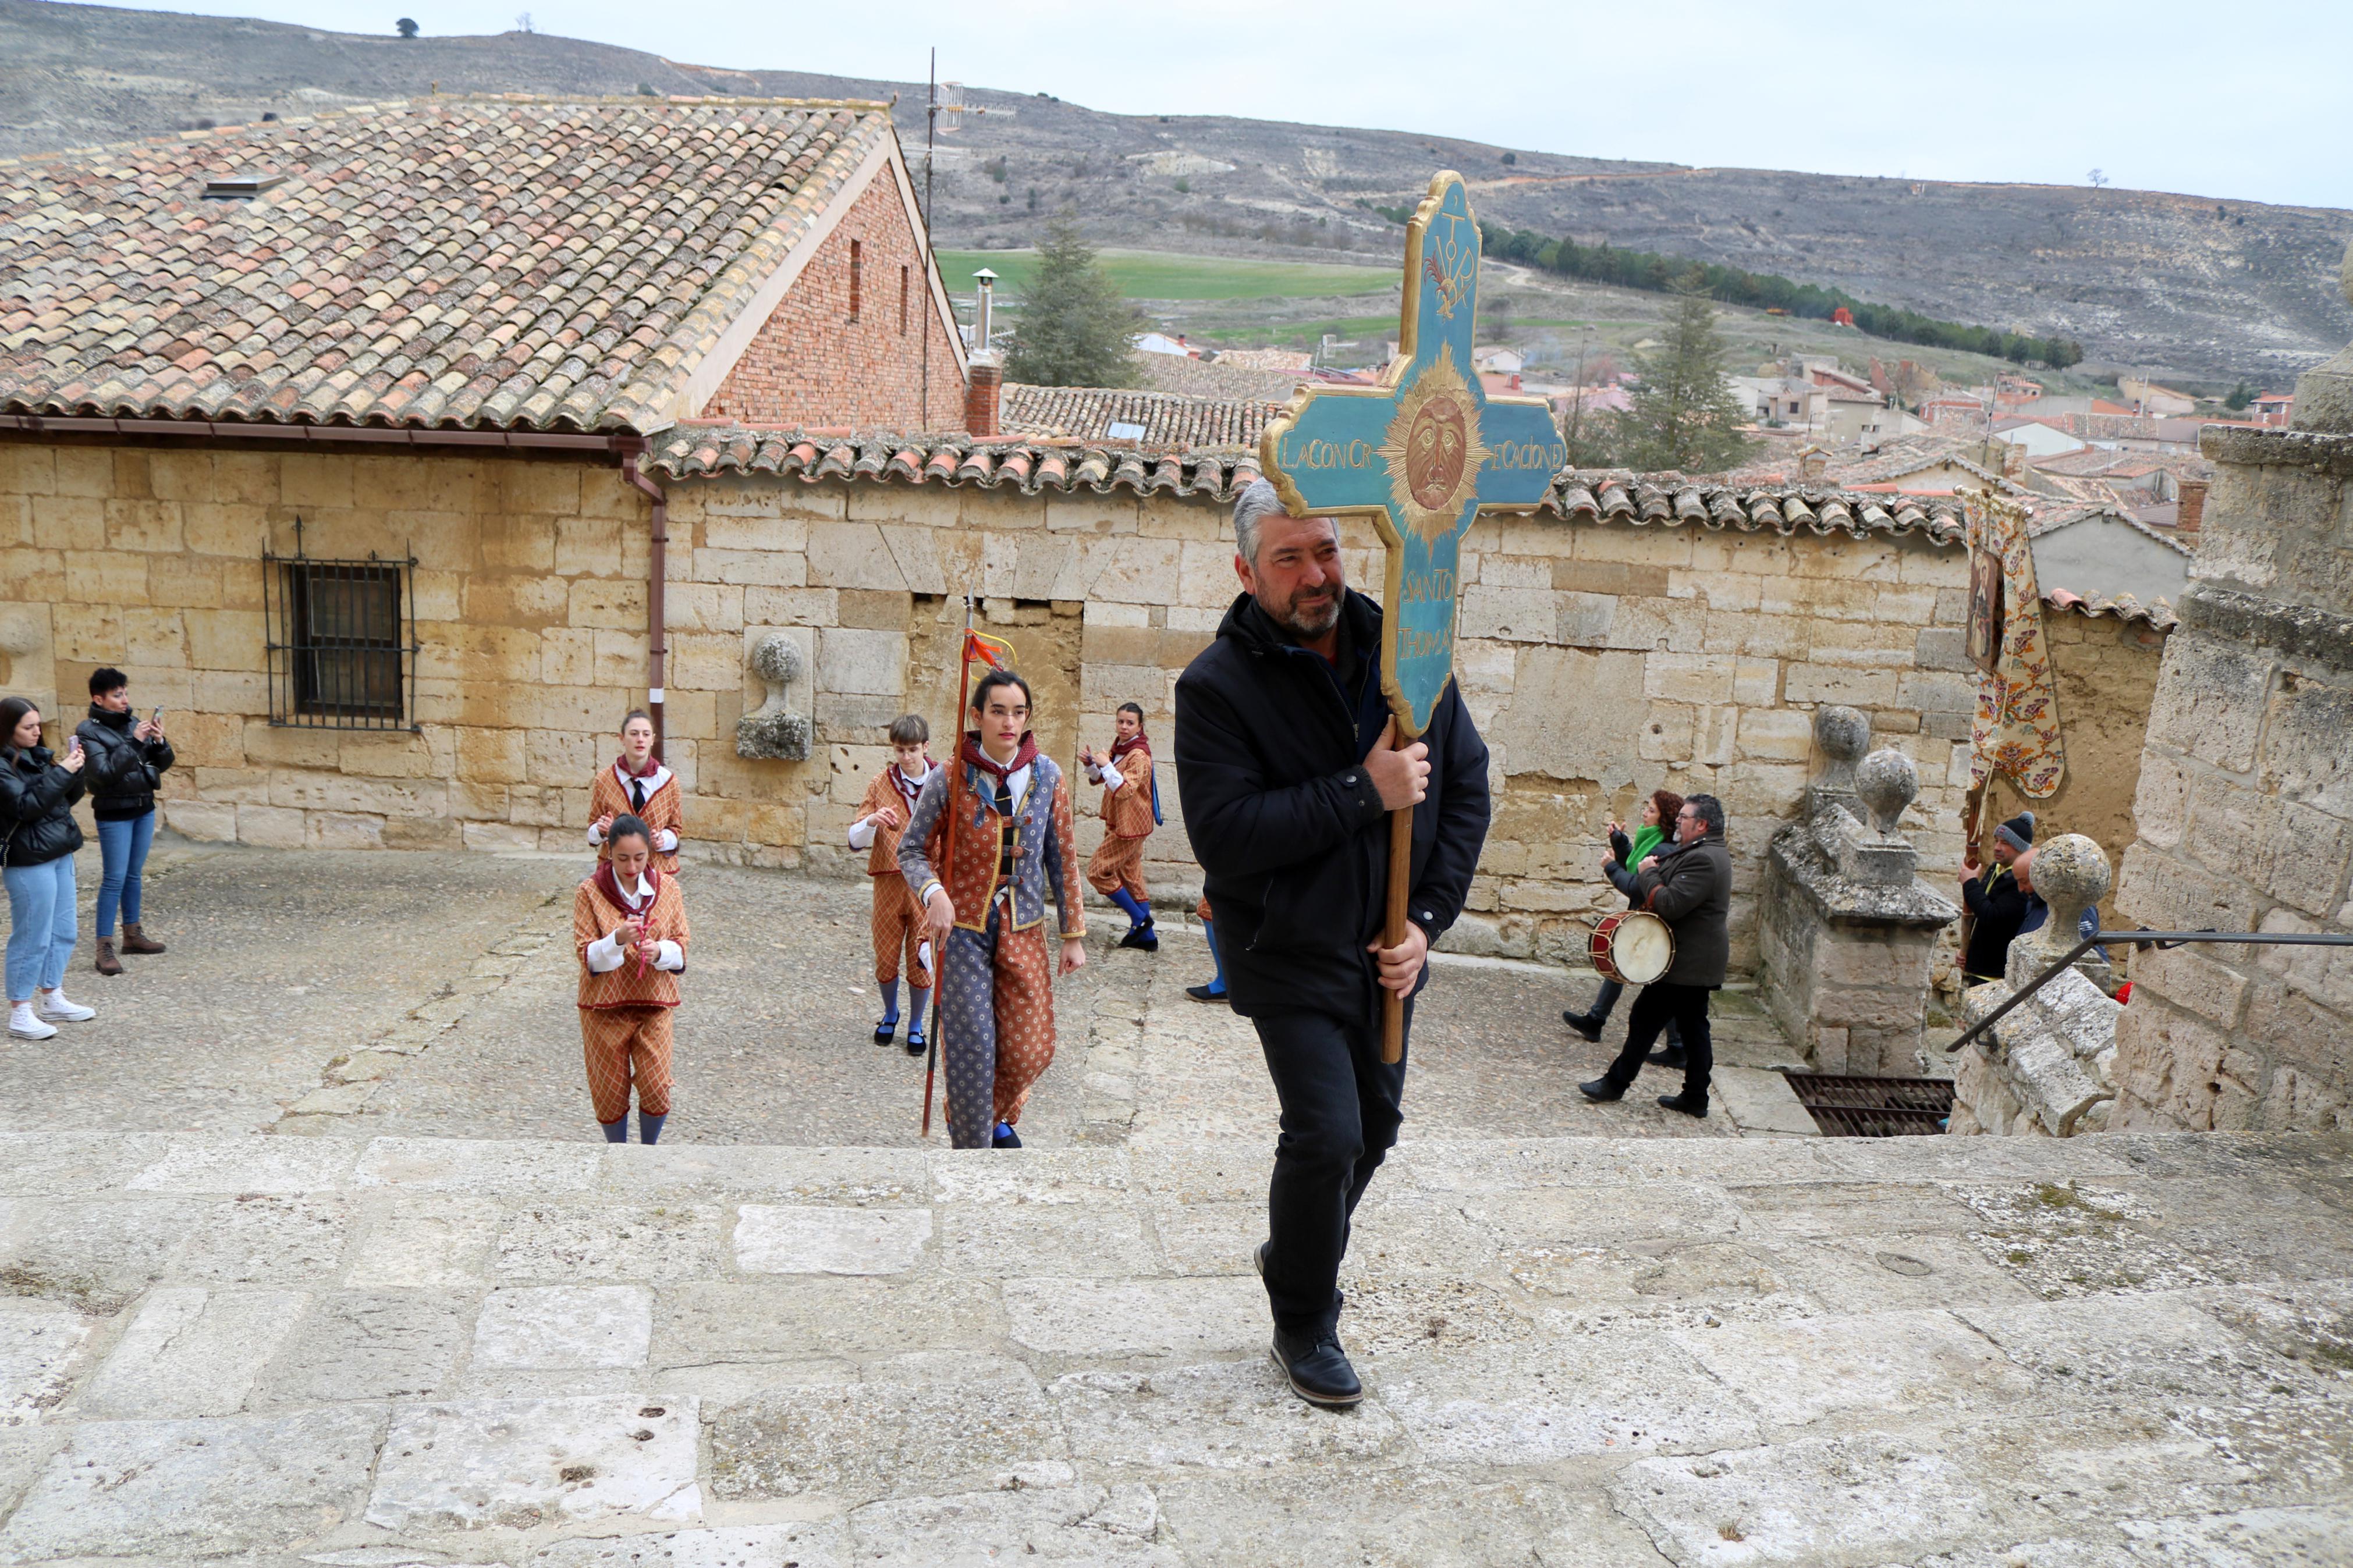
(1433, 450)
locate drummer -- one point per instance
(1690, 889)
(1659, 812)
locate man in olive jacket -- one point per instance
(1690, 889)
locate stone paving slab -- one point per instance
(1582, 1351)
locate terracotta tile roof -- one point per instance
(2122, 607)
(485, 262)
(2055, 518)
(1169, 419)
(701, 449)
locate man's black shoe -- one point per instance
(886, 1031)
(1258, 1258)
(1318, 1370)
(1143, 938)
(1205, 993)
(1600, 1089)
(916, 1044)
(1673, 1057)
(1585, 1024)
(1005, 1138)
(1688, 1107)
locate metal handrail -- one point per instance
(2159, 938)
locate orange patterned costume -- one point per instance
(996, 997)
(625, 1011)
(1127, 822)
(609, 795)
(897, 919)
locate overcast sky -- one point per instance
(2246, 100)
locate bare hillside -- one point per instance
(2182, 286)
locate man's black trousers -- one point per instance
(1340, 1117)
(1655, 1005)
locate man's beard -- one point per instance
(1305, 624)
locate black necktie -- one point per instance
(638, 795)
(1005, 810)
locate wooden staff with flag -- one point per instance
(1422, 454)
(996, 654)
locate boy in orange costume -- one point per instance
(897, 919)
(986, 909)
(629, 927)
(1131, 810)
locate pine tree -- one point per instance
(2240, 395)
(1077, 329)
(1684, 415)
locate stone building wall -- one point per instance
(1600, 659)
(812, 363)
(2245, 805)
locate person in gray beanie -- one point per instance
(1996, 902)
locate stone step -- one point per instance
(367, 1353)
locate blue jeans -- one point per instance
(43, 921)
(122, 855)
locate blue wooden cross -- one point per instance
(1422, 454)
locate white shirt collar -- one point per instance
(652, 781)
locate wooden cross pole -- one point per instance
(1422, 454)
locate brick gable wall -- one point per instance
(812, 365)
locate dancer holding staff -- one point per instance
(638, 785)
(990, 840)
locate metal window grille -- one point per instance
(1853, 1107)
(343, 640)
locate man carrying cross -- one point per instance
(1287, 774)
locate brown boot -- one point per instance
(107, 963)
(136, 940)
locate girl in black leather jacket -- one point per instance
(37, 795)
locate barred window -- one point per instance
(342, 641)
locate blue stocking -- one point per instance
(649, 1127)
(1136, 913)
(918, 998)
(618, 1132)
(1209, 930)
(889, 989)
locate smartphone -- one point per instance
(156, 716)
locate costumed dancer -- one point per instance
(991, 837)
(897, 919)
(638, 785)
(1215, 990)
(628, 925)
(1131, 810)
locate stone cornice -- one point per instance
(2301, 631)
(2329, 454)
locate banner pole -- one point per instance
(948, 860)
(1393, 932)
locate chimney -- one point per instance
(2013, 459)
(2191, 512)
(981, 394)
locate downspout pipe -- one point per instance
(657, 578)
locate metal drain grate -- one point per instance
(1845, 1107)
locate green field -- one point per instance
(1154, 275)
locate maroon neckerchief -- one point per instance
(609, 886)
(908, 788)
(1026, 753)
(621, 766)
(1139, 741)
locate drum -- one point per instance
(1633, 947)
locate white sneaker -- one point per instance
(54, 1007)
(24, 1027)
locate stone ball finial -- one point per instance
(1886, 782)
(776, 658)
(2070, 874)
(1841, 732)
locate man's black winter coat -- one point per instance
(1287, 825)
(1999, 905)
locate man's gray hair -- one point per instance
(1253, 507)
(1709, 810)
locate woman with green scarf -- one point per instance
(1658, 813)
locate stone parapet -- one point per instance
(2246, 803)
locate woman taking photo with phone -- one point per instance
(37, 795)
(128, 757)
